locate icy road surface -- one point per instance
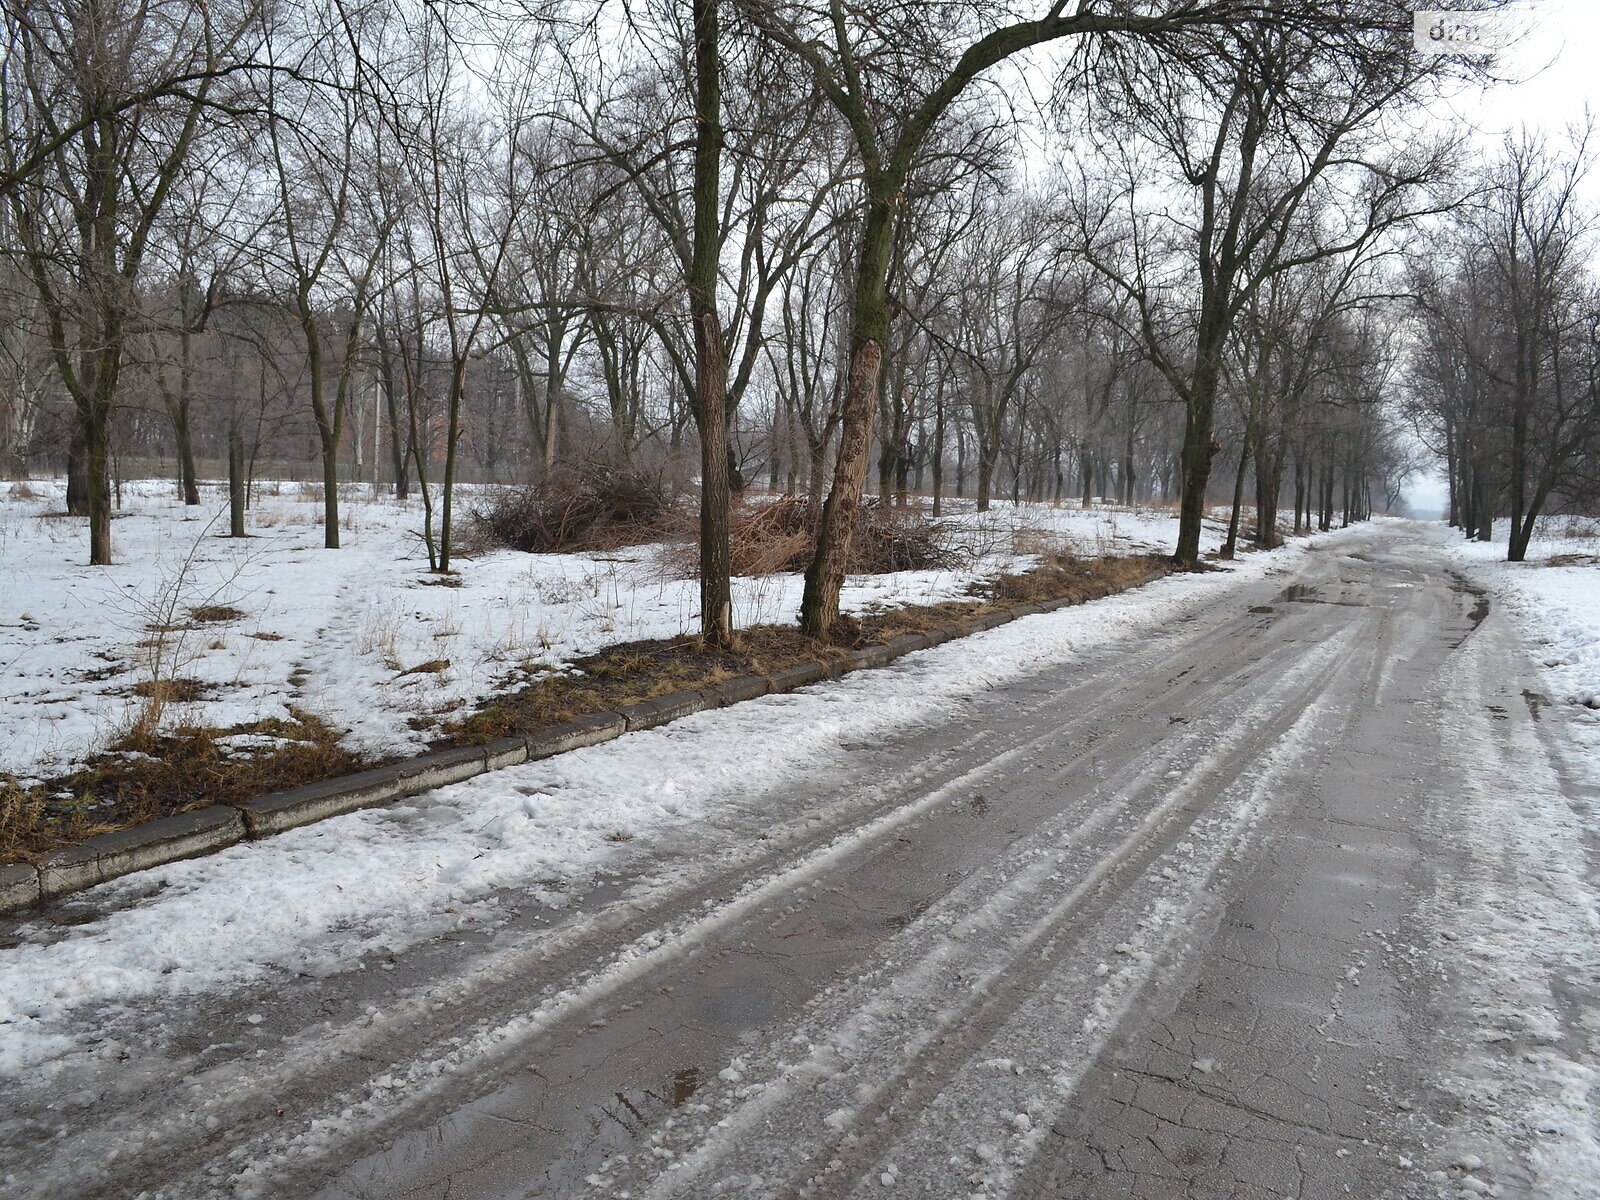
(1275, 884)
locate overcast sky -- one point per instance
(1554, 66)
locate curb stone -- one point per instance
(647, 714)
(187, 835)
(588, 730)
(734, 691)
(331, 797)
(19, 886)
(798, 676)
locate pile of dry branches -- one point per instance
(593, 507)
(769, 537)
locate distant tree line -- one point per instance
(1505, 370)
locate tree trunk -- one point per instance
(710, 409)
(1299, 496)
(1127, 473)
(328, 436)
(1199, 448)
(1232, 544)
(986, 464)
(97, 460)
(187, 475)
(816, 469)
(1269, 479)
(819, 605)
(397, 448)
(235, 484)
(77, 473)
(452, 440)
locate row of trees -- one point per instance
(1506, 371)
(807, 239)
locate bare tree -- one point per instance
(1507, 366)
(96, 137)
(1279, 119)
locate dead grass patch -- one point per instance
(171, 691)
(625, 674)
(148, 776)
(211, 614)
(1065, 577)
(778, 536)
(433, 666)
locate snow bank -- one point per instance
(1554, 598)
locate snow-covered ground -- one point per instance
(338, 633)
(1554, 597)
(1524, 905)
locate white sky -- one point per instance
(1553, 69)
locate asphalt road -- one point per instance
(1186, 919)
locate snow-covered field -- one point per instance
(339, 633)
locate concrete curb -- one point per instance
(188, 835)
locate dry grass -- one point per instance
(433, 666)
(778, 536)
(630, 672)
(149, 775)
(1065, 577)
(171, 691)
(210, 614)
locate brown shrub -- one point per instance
(593, 507)
(777, 536)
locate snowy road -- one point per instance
(1277, 884)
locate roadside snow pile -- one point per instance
(1554, 597)
(364, 637)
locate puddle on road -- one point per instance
(685, 1083)
(1536, 701)
(1301, 593)
(1479, 609)
(901, 919)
